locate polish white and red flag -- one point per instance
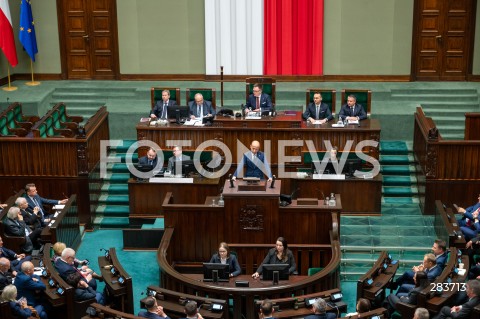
(7, 41)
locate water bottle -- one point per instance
(327, 201)
(333, 200)
(221, 202)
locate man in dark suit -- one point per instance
(150, 159)
(154, 311)
(14, 225)
(200, 108)
(319, 309)
(254, 160)
(16, 260)
(463, 311)
(159, 111)
(352, 111)
(32, 218)
(28, 285)
(34, 200)
(258, 101)
(66, 266)
(266, 309)
(177, 157)
(430, 267)
(6, 274)
(317, 110)
(191, 311)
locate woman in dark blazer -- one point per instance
(278, 255)
(223, 256)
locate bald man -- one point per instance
(253, 160)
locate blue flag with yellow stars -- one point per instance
(27, 29)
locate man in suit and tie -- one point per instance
(430, 267)
(34, 200)
(254, 160)
(200, 108)
(150, 159)
(29, 286)
(317, 111)
(159, 111)
(15, 260)
(66, 266)
(463, 311)
(176, 159)
(258, 101)
(351, 111)
(32, 218)
(14, 225)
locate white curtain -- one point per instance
(234, 36)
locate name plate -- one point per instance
(171, 180)
(329, 176)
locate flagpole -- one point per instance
(33, 82)
(10, 87)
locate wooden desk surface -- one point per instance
(380, 282)
(253, 283)
(234, 192)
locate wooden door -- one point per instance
(88, 39)
(443, 37)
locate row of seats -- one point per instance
(364, 97)
(14, 123)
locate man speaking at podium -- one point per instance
(253, 160)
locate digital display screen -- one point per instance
(121, 280)
(51, 282)
(369, 281)
(60, 291)
(113, 270)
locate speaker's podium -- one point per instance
(252, 211)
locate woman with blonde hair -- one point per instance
(19, 307)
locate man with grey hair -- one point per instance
(5, 274)
(463, 311)
(319, 309)
(65, 266)
(200, 108)
(421, 313)
(14, 225)
(32, 218)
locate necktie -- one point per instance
(164, 111)
(353, 110)
(38, 205)
(258, 103)
(318, 112)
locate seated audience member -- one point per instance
(430, 267)
(473, 248)
(82, 290)
(421, 313)
(421, 281)
(159, 111)
(154, 311)
(65, 265)
(200, 108)
(278, 255)
(191, 311)
(463, 311)
(16, 260)
(223, 256)
(254, 160)
(177, 157)
(34, 200)
(150, 159)
(363, 305)
(29, 286)
(6, 274)
(14, 225)
(258, 101)
(439, 249)
(469, 224)
(317, 111)
(319, 309)
(351, 111)
(32, 218)
(20, 307)
(266, 309)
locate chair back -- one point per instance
(156, 94)
(364, 98)
(268, 84)
(209, 94)
(328, 97)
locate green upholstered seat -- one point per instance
(208, 95)
(268, 87)
(3, 127)
(156, 95)
(42, 128)
(313, 271)
(64, 117)
(328, 97)
(364, 98)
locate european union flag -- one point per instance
(27, 29)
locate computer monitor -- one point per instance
(177, 113)
(212, 271)
(352, 165)
(143, 168)
(269, 271)
(188, 168)
(329, 168)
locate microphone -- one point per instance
(221, 190)
(272, 185)
(231, 181)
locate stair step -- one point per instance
(393, 148)
(119, 168)
(118, 177)
(122, 149)
(446, 92)
(115, 188)
(399, 191)
(452, 135)
(398, 180)
(397, 169)
(115, 222)
(114, 200)
(114, 210)
(396, 159)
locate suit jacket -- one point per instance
(31, 219)
(64, 269)
(158, 108)
(433, 272)
(171, 162)
(13, 229)
(327, 315)
(27, 287)
(5, 279)
(324, 112)
(151, 315)
(464, 313)
(41, 201)
(265, 103)
(84, 293)
(144, 160)
(442, 260)
(18, 312)
(252, 169)
(271, 258)
(234, 266)
(207, 108)
(346, 111)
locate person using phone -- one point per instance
(154, 311)
(82, 290)
(19, 308)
